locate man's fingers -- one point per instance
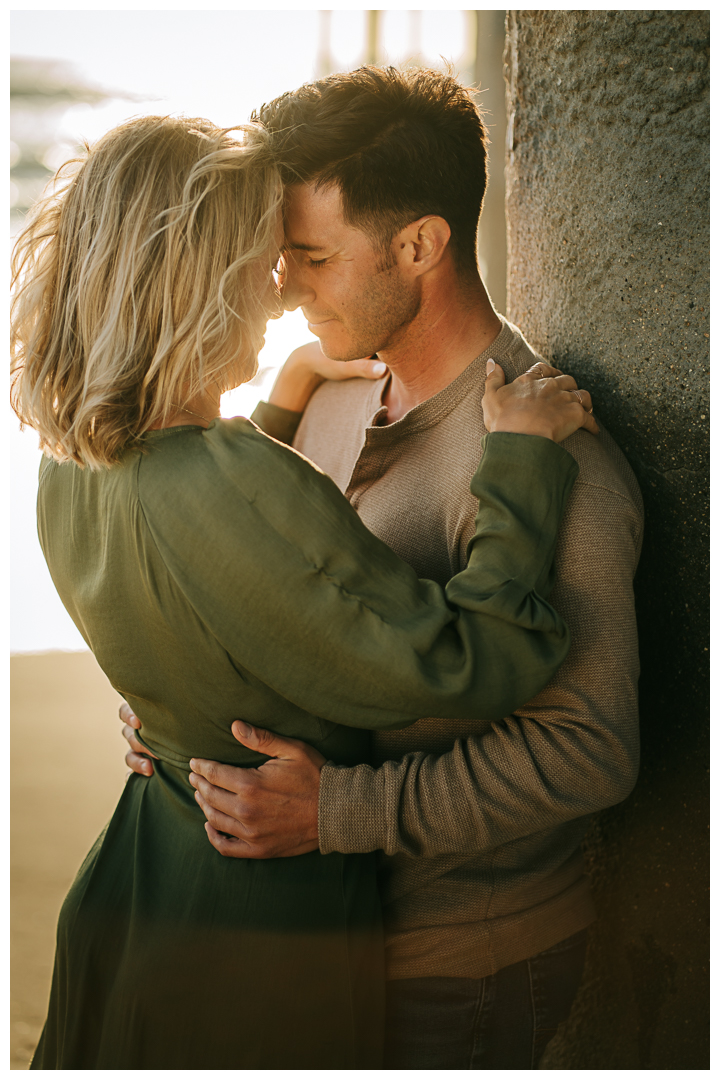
(135, 744)
(270, 744)
(227, 802)
(234, 848)
(265, 742)
(237, 848)
(130, 736)
(222, 822)
(128, 716)
(138, 763)
(229, 777)
(137, 757)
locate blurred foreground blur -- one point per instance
(68, 770)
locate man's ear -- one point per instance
(422, 244)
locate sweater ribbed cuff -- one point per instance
(348, 819)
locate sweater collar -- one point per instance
(431, 412)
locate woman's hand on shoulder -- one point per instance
(543, 401)
(307, 367)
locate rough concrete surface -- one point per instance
(608, 234)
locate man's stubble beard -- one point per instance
(385, 307)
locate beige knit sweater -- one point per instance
(479, 827)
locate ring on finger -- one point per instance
(577, 394)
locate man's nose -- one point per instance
(297, 290)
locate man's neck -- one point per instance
(441, 342)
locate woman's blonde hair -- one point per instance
(140, 281)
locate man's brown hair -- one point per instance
(399, 144)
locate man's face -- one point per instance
(353, 301)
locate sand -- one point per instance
(67, 772)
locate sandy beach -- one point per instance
(67, 772)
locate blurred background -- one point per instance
(74, 75)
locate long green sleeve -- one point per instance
(278, 423)
(304, 598)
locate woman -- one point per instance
(215, 574)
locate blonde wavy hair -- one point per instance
(141, 280)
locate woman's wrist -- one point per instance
(307, 367)
(295, 385)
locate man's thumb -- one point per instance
(495, 376)
(265, 742)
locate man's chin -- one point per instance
(329, 344)
(342, 353)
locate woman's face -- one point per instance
(269, 283)
(267, 291)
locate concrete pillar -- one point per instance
(607, 205)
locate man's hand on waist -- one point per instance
(264, 813)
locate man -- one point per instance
(478, 829)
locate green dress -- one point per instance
(217, 575)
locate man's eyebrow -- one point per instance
(290, 246)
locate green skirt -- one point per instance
(171, 956)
